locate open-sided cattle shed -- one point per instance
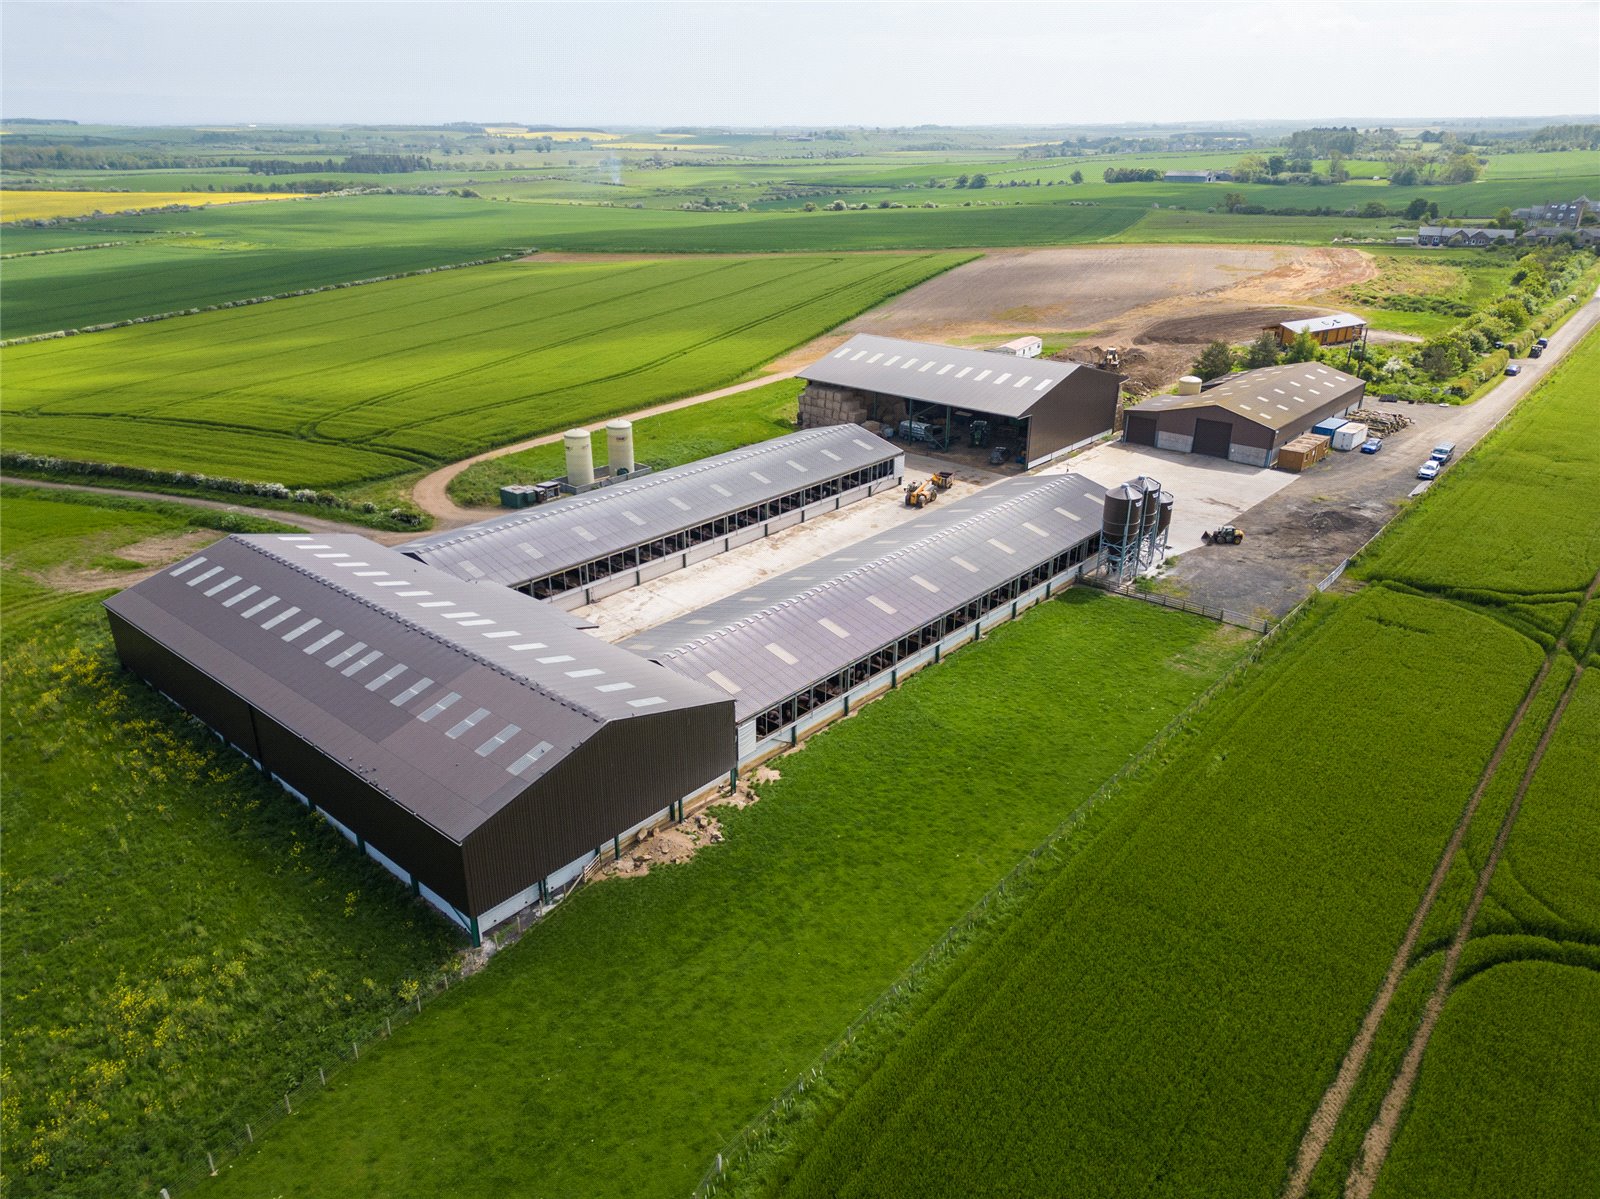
(1249, 416)
(1057, 407)
(800, 649)
(473, 741)
(575, 551)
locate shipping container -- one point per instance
(1303, 451)
(1350, 436)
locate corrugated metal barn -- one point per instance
(579, 550)
(476, 743)
(800, 649)
(1249, 416)
(1057, 406)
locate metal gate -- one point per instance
(1212, 437)
(1141, 430)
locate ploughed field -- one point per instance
(1169, 1010)
(365, 383)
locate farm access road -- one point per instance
(1296, 536)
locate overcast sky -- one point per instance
(755, 63)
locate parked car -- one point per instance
(1535, 352)
(1429, 469)
(1513, 369)
(1372, 445)
(1543, 343)
(1443, 452)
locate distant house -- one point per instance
(1191, 177)
(1548, 233)
(1569, 213)
(1463, 235)
(1335, 329)
(1022, 347)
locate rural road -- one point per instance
(1297, 535)
(431, 493)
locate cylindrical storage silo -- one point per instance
(1189, 385)
(619, 446)
(1123, 515)
(1150, 510)
(580, 457)
(1165, 522)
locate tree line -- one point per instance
(356, 164)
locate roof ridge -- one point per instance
(876, 564)
(408, 622)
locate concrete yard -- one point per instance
(622, 615)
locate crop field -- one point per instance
(1196, 976)
(181, 941)
(46, 205)
(669, 439)
(361, 384)
(1521, 520)
(1507, 1101)
(610, 1050)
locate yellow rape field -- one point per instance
(45, 205)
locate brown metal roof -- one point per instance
(1273, 396)
(451, 698)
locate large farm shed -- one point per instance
(579, 550)
(1248, 417)
(474, 742)
(1051, 407)
(800, 649)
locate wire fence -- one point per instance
(763, 1128)
(1256, 624)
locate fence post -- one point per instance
(355, 1047)
(212, 1162)
(287, 1105)
(249, 1135)
(388, 1027)
(322, 1074)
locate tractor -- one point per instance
(1227, 535)
(921, 493)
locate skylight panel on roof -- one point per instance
(499, 739)
(392, 673)
(721, 490)
(723, 681)
(874, 358)
(531, 551)
(526, 645)
(677, 503)
(634, 518)
(499, 633)
(588, 672)
(280, 618)
(349, 652)
(908, 362)
(322, 642)
(859, 355)
(335, 554)
(833, 627)
(1001, 546)
(981, 376)
(411, 692)
(407, 594)
(947, 367)
(583, 532)
(473, 624)
(924, 584)
(436, 603)
(189, 565)
(243, 595)
(963, 372)
(466, 722)
(306, 627)
(1033, 528)
(759, 477)
(925, 366)
(998, 379)
(783, 655)
(456, 615)
(1024, 381)
(351, 565)
(881, 605)
(796, 465)
(361, 663)
(201, 578)
(520, 766)
(1043, 383)
(831, 454)
(377, 574)
(844, 353)
(610, 687)
(649, 702)
(443, 703)
(554, 658)
(1068, 515)
(222, 586)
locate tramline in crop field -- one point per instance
(365, 383)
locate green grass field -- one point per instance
(1520, 520)
(669, 439)
(611, 1050)
(182, 942)
(356, 385)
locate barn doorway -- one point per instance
(1141, 430)
(1212, 437)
